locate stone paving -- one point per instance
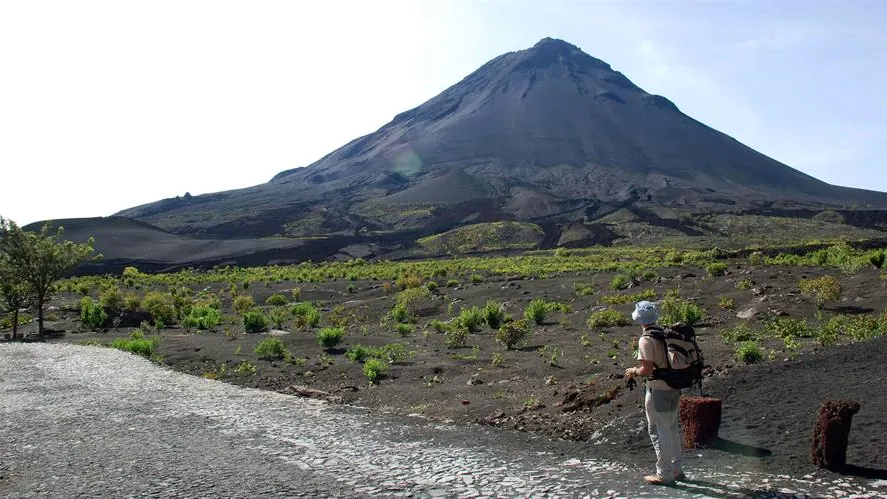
(96, 422)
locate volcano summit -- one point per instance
(548, 135)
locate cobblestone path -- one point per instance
(96, 422)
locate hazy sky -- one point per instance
(106, 105)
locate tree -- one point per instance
(14, 292)
(38, 259)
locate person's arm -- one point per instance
(645, 369)
(646, 350)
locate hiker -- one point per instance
(660, 400)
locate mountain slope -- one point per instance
(548, 135)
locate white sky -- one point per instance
(105, 105)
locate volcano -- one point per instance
(548, 135)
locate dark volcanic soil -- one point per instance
(768, 408)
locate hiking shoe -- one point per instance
(680, 476)
(658, 480)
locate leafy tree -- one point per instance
(14, 292)
(38, 259)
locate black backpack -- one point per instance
(683, 355)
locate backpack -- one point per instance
(683, 355)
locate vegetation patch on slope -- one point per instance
(485, 237)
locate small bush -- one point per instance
(329, 337)
(277, 316)
(673, 310)
(494, 313)
(784, 327)
(452, 283)
(431, 286)
(137, 344)
(438, 325)
(92, 315)
(160, 307)
(475, 279)
(254, 321)
(242, 303)
(619, 282)
(471, 318)
(399, 313)
(270, 349)
(608, 318)
(408, 281)
(111, 297)
(374, 369)
(726, 302)
(276, 301)
(203, 317)
(824, 289)
(358, 353)
(538, 310)
(456, 335)
(739, 333)
(716, 269)
(296, 294)
(309, 313)
(404, 329)
(513, 333)
(744, 283)
(245, 368)
(749, 352)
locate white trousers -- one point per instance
(665, 432)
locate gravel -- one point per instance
(94, 422)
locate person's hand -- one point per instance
(630, 372)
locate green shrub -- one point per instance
(452, 283)
(619, 282)
(277, 316)
(740, 333)
(296, 294)
(456, 335)
(270, 349)
(471, 318)
(111, 298)
(608, 318)
(408, 281)
(749, 352)
(513, 333)
(726, 302)
(160, 307)
(538, 309)
(673, 310)
(203, 317)
(438, 325)
(744, 283)
(329, 337)
(413, 299)
(242, 303)
(245, 368)
(622, 299)
(824, 289)
(276, 301)
(399, 313)
(358, 353)
(92, 315)
(374, 369)
(494, 313)
(716, 269)
(404, 329)
(309, 313)
(431, 286)
(254, 321)
(784, 327)
(877, 259)
(475, 279)
(137, 344)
